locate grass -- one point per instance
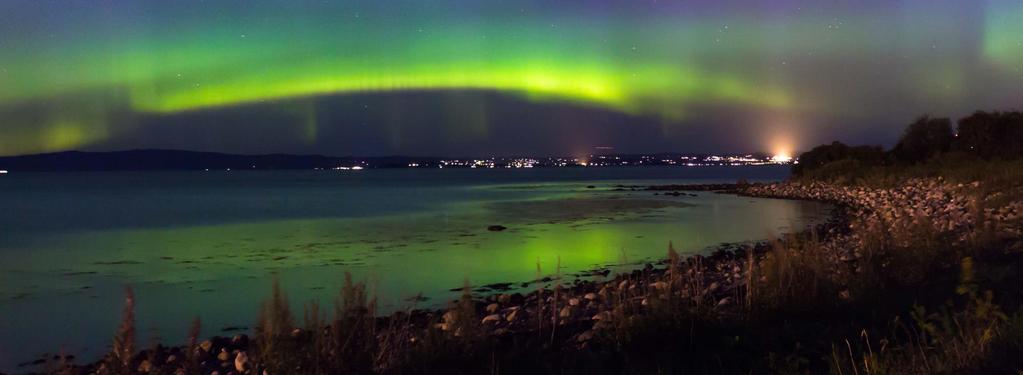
(959, 337)
(123, 348)
(998, 175)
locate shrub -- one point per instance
(924, 139)
(836, 151)
(991, 135)
(119, 361)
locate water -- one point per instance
(207, 243)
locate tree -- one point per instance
(837, 151)
(991, 135)
(924, 139)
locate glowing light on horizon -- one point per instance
(782, 140)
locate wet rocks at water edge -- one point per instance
(932, 204)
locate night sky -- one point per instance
(467, 78)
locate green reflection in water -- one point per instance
(222, 272)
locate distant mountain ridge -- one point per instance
(159, 159)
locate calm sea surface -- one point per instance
(207, 244)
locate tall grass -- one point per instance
(997, 175)
(539, 299)
(274, 331)
(555, 312)
(122, 351)
(794, 274)
(955, 338)
(191, 349)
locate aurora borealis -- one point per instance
(451, 77)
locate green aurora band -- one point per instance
(74, 73)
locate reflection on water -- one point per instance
(200, 245)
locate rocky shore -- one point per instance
(953, 209)
(710, 285)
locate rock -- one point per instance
(496, 228)
(513, 315)
(565, 312)
(492, 318)
(585, 336)
(492, 308)
(504, 299)
(224, 355)
(241, 362)
(713, 286)
(145, 367)
(724, 301)
(206, 346)
(573, 301)
(590, 296)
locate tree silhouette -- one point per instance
(837, 151)
(991, 135)
(923, 139)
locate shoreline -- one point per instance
(506, 311)
(574, 314)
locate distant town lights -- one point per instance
(781, 158)
(356, 168)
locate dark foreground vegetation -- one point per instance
(919, 273)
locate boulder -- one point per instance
(565, 312)
(504, 298)
(145, 367)
(492, 308)
(513, 315)
(241, 362)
